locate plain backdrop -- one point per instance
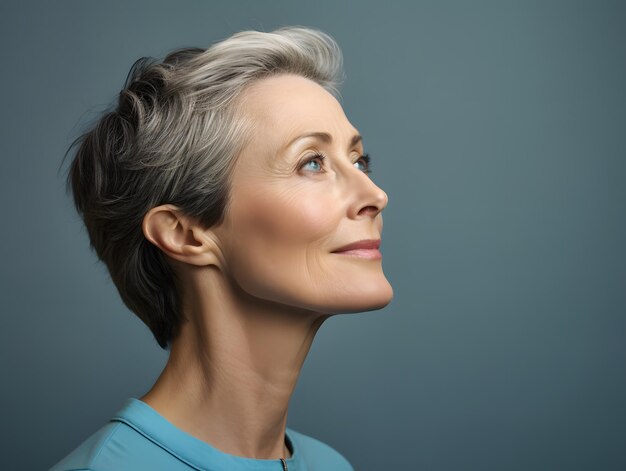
(497, 129)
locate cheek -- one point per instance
(303, 223)
(287, 217)
(279, 239)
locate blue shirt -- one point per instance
(138, 438)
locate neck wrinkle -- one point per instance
(233, 368)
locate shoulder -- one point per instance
(83, 456)
(317, 454)
(120, 447)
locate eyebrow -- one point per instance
(325, 137)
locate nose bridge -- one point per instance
(364, 194)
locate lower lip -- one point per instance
(372, 254)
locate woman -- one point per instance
(229, 197)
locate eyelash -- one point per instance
(321, 157)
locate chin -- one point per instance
(376, 297)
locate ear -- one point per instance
(179, 237)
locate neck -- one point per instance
(233, 367)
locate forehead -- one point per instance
(286, 106)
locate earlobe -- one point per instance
(178, 236)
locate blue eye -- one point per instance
(318, 159)
(367, 166)
(315, 158)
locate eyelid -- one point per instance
(366, 157)
(315, 155)
(318, 155)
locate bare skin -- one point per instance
(258, 287)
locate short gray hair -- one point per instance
(173, 137)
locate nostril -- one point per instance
(369, 209)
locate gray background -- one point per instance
(496, 128)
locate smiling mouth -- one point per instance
(367, 249)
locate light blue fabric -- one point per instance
(138, 438)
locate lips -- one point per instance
(366, 244)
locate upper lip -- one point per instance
(360, 244)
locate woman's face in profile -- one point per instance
(290, 210)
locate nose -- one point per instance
(368, 198)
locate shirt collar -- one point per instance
(193, 451)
